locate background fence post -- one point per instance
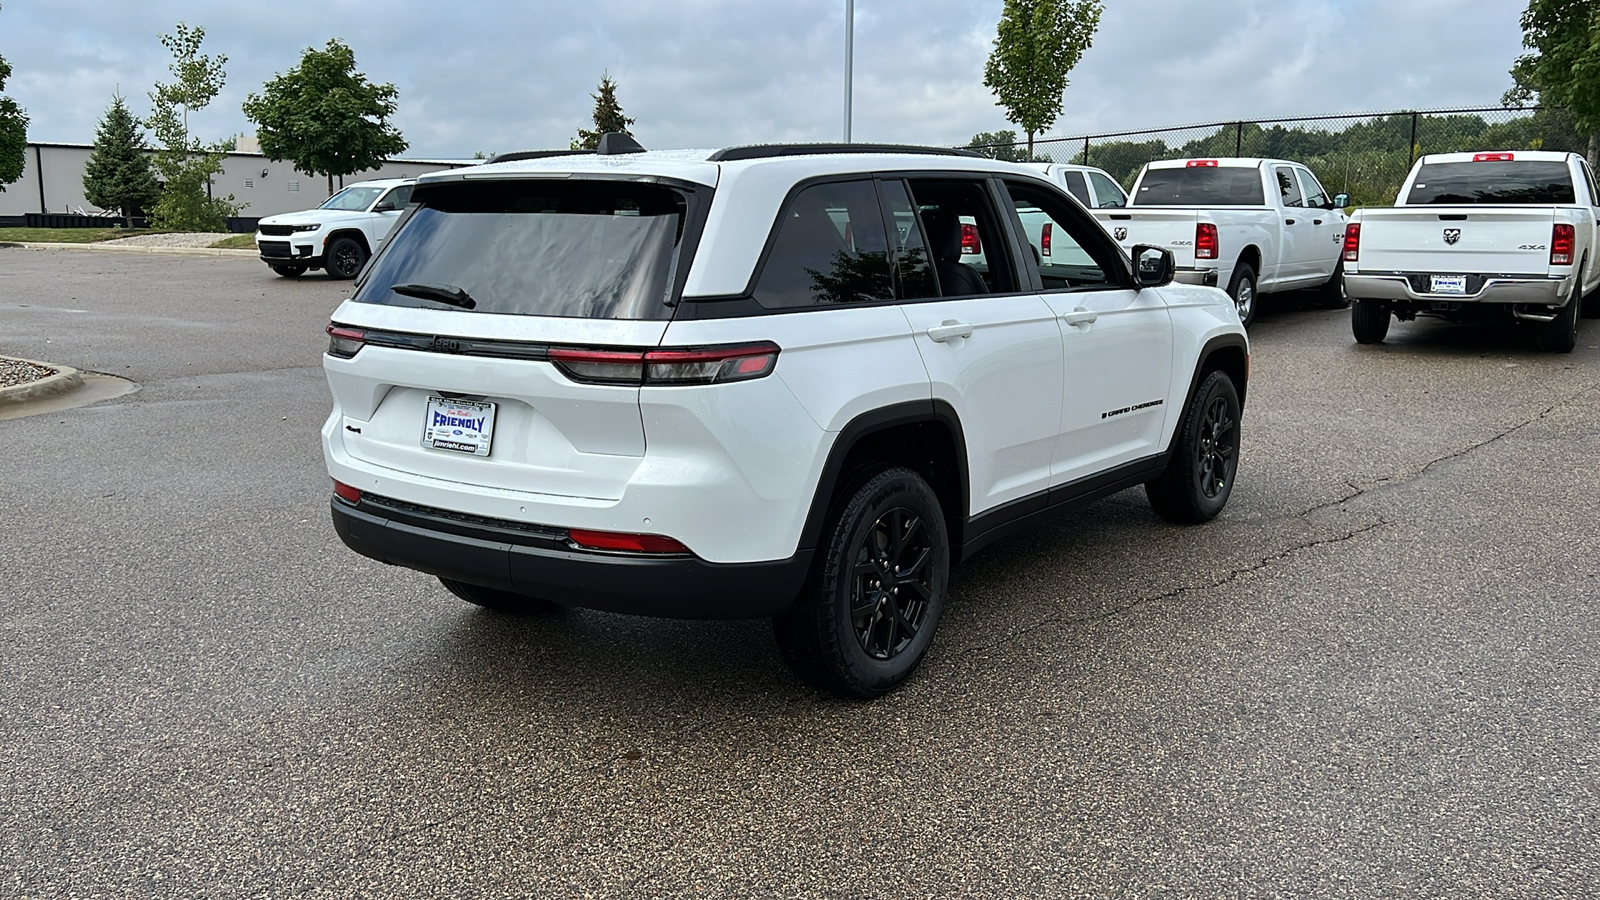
(1411, 150)
(1238, 139)
(1086, 151)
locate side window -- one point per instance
(1108, 192)
(913, 267)
(1588, 177)
(1061, 240)
(964, 237)
(1316, 197)
(1288, 189)
(398, 197)
(830, 248)
(1079, 188)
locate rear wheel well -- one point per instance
(1251, 257)
(927, 448)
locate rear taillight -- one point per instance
(1201, 164)
(1044, 239)
(627, 543)
(1352, 242)
(345, 342)
(1562, 240)
(346, 492)
(1493, 157)
(1205, 240)
(691, 365)
(969, 239)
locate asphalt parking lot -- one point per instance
(1377, 674)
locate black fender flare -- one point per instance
(1209, 349)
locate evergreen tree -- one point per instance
(1036, 44)
(325, 117)
(13, 133)
(119, 175)
(608, 117)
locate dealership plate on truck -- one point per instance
(1447, 284)
(463, 426)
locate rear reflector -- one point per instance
(1205, 240)
(969, 239)
(1352, 242)
(691, 365)
(345, 342)
(1562, 241)
(346, 492)
(1199, 163)
(1493, 157)
(628, 543)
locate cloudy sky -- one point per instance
(496, 75)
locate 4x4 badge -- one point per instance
(1451, 235)
(1121, 234)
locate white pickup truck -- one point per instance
(1255, 225)
(1094, 188)
(1509, 234)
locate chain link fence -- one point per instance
(1364, 155)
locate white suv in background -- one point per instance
(340, 235)
(761, 382)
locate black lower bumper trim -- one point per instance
(679, 587)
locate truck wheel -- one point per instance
(290, 271)
(497, 600)
(1369, 319)
(869, 610)
(1199, 477)
(345, 257)
(1243, 291)
(1332, 290)
(1560, 335)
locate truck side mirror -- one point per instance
(1152, 266)
(1340, 201)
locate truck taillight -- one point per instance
(692, 365)
(1562, 240)
(1352, 242)
(345, 342)
(1044, 239)
(1201, 163)
(969, 239)
(1493, 157)
(1205, 240)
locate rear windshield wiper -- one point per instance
(442, 293)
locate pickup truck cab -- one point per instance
(1094, 188)
(1255, 225)
(1508, 234)
(340, 235)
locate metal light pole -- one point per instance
(849, 60)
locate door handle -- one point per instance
(1080, 316)
(1288, 221)
(950, 329)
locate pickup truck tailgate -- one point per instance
(1171, 228)
(1455, 240)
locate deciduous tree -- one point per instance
(1564, 67)
(608, 117)
(1036, 44)
(184, 163)
(13, 132)
(325, 117)
(119, 175)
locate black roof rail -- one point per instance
(769, 151)
(534, 154)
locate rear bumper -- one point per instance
(538, 561)
(1203, 277)
(1543, 291)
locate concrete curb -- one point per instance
(64, 380)
(184, 251)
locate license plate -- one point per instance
(461, 426)
(1447, 284)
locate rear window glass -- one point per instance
(830, 249)
(1495, 181)
(1200, 186)
(578, 249)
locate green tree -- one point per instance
(119, 175)
(325, 117)
(1036, 44)
(608, 117)
(1001, 145)
(1564, 67)
(13, 133)
(184, 163)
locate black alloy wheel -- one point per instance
(1199, 478)
(345, 257)
(893, 583)
(1218, 448)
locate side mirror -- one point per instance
(1152, 266)
(1341, 201)
(385, 207)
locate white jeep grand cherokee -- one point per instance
(761, 381)
(340, 235)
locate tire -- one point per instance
(1332, 290)
(497, 600)
(1560, 335)
(344, 257)
(289, 271)
(846, 634)
(1199, 478)
(1242, 288)
(1369, 321)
